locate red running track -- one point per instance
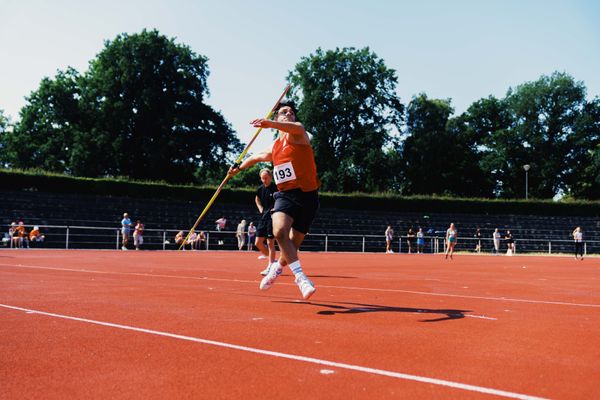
(108, 324)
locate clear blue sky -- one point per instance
(458, 49)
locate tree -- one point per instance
(583, 175)
(429, 152)
(138, 111)
(542, 134)
(44, 136)
(487, 124)
(347, 101)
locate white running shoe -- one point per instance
(306, 286)
(265, 271)
(123, 248)
(262, 257)
(274, 271)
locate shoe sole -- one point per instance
(306, 297)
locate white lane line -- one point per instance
(463, 296)
(312, 360)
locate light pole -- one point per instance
(526, 167)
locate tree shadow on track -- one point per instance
(357, 308)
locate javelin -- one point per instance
(236, 163)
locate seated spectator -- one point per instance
(201, 240)
(13, 234)
(192, 241)
(35, 236)
(22, 234)
(179, 238)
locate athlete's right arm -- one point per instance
(258, 204)
(250, 161)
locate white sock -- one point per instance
(296, 268)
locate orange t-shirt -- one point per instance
(294, 166)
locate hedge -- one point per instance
(58, 183)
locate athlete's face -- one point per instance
(265, 177)
(286, 114)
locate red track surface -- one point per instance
(525, 326)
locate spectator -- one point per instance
(477, 237)
(410, 239)
(578, 237)
(13, 233)
(496, 237)
(264, 231)
(179, 238)
(138, 234)
(201, 240)
(221, 222)
(251, 235)
(240, 234)
(420, 241)
(22, 235)
(451, 238)
(389, 237)
(510, 243)
(192, 240)
(125, 230)
(35, 236)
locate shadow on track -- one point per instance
(357, 308)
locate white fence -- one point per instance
(91, 237)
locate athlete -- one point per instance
(297, 199)
(451, 236)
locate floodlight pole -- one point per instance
(526, 167)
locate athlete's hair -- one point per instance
(267, 170)
(287, 103)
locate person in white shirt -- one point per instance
(578, 237)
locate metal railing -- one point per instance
(91, 237)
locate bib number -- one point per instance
(284, 173)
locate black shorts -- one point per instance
(265, 226)
(301, 206)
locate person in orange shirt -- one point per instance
(297, 199)
(35, 236)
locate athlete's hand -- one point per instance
(233, 170)
(261, 123)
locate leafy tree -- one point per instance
(543, 132)
(347, 101)
(428, 152)
(139, 112)
(583, 176)
(48, 125)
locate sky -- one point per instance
(459, 49)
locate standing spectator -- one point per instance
(240, 233)
(389, 237)
(410, 239)
(578, 237)
(35, 236)
(125, 230)
(251, 235)
(496, 237)
(221, 222)
(451, 238)
(264, 203)
(138, 234)
(477, 237)
(420, 241)
(510, 243)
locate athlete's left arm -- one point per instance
(294, 128)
